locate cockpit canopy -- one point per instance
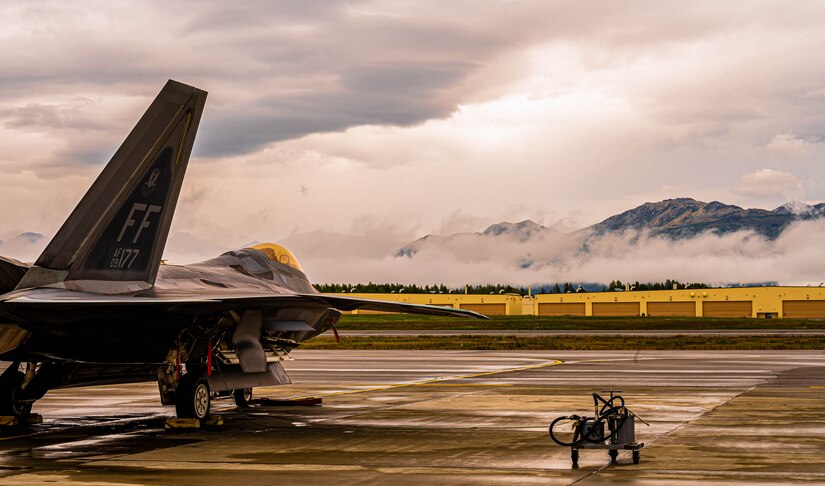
(278, 253)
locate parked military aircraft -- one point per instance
(98, 307)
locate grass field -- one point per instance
(569, 342)
(387, 322)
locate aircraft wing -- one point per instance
(209, 303)
(353, 303)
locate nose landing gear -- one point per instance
(192, 397)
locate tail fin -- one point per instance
(114, 238)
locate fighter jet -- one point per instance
(98, 307)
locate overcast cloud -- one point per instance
(392, 120)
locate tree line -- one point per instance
(618, 285)
(557, 288)
(397, 288)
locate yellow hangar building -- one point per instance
(756, 302)
(764, 302)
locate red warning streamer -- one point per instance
(209, 359)
(177, 364)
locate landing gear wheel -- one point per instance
(574, 456)
(636, 457)
(192, 398)
(242, 397)
(9, 389)
(613, 455)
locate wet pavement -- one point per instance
(568, 332)
(449, 417)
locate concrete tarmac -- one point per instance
(654, 333)
(449, 417)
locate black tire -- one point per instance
(574, 456)
(192, 398)
(9, 388)
(636, 457)
(614, 454)
(242, 397)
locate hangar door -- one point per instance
(671, 309)
(561, 309)
(733, 308)
(487, 309)
(803, 308)
(616, 308)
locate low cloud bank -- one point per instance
(795, 258)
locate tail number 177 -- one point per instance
(124, 257)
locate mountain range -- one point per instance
(675, 219)
(685, 217)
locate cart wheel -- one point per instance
(574, 456)
(613, 455)
(636, 455)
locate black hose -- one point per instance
(609, 404)
(605, 403)
(576, 431)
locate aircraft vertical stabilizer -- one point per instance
(114, 239)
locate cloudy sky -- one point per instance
(396, 119)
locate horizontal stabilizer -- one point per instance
(11, 272)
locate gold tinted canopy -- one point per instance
(278, 253)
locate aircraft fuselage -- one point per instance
(141, 332)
